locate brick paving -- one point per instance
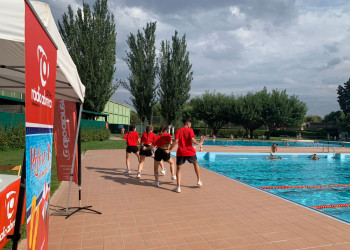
(223, 214)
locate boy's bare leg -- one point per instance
(162, 164)
(178, 175)
(142, 161)
(156, 175)
(196, 169)
(138, 156)
(128, 160)
(172, 167)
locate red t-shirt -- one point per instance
(185, 135)
(160, 141)
(131, 138)
(145, 139)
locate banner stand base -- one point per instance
(73, 210)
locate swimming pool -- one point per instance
(279, 143)
(295, 177)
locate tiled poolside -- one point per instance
(223, 214)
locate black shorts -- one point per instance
(180, 160)
(146, 153)
(132, 149)
(161, 155)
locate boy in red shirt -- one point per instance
(146, 150)
(163, 142)
(132, 140)
(185, 138)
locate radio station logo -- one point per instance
(10, 203)
(44, 65)
(44, 98)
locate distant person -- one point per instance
(122, 132)
(185, 137)
(272, 157)
(163, 142)
(314, 157)
(274, 148)
(231, 137)
(286, 143)
(132, 140)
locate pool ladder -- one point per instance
(328, 149)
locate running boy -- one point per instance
(132, 140)
(185, 137)
(146, 149)
(163, 142)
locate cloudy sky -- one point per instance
(238, 46)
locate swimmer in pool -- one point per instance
(272, 157)
(314, 157)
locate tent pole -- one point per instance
(79, 162)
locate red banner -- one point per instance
(8, 208)
(64, 133)
(40, 84)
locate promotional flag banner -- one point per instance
(8, 208)
(40, 80)
(64, 130)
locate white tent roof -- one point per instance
(68, 84)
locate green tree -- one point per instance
(175, 77)
(281, 111)
(90, 38)
(344, 97)
(141, 60)
(246, 111)
(134, 118)
(313, 118)
(334, 117)
(212, 108)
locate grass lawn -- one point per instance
(15, 157)
(109, 144)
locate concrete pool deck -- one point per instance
(223, 214)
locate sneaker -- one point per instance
(199, 183)
(173, 178)
(127, 171)
(163, 171)
(138, 176)
(156, 183)
(177, 189)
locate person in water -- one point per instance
(314, 157)
(272, 157)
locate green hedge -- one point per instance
(12, 138)
(90, 134)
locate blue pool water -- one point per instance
(291, 170)
(280, 143)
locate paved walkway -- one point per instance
(223, 214)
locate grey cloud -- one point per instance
(331, 48)
(330, 64)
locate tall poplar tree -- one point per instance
(141, 60)
(175, 77)
(90, 38)
(344, 97)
